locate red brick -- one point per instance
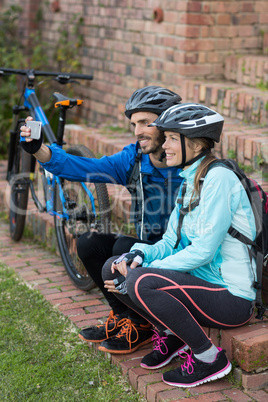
(82, 317)
(259, 396)
(59, 302)
(126, 365)
(211, 387)
(134, 375)
(250, 349)
(236, 395)
(38, 282)
(65, 294)
(75, 305)
(226, 339)
(215, 336)
(85, 324)
(55, 276)
(51, 269)
(143, 381)
(154, 390)
(99, 314)
(174, 394)
(255, 381)
(199, 19)
(67, 288)
(223, 19)
(73, 312)
(49, 291)
(213, 397)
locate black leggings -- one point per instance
(182, 303)
(94, 249)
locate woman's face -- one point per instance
(172, 147)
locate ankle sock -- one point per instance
(209, 355)
(168, 332)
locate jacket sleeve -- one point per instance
(108, 169)
(165, 246)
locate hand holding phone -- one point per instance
(35, 127)
(36, 135)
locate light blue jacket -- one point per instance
(206, 250)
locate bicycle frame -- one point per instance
(48, 188)
(72, 204)
(31, 104)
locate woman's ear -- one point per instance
(198, 148)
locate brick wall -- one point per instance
(126, 48)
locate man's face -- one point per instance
(149, 138)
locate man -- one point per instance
(153, 190)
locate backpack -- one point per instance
(259, 203)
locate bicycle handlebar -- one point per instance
(35, 73)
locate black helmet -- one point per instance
(151, 99)
(191, 120)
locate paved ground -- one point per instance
(45, 272)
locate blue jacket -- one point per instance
(158, 187)
(206, 250)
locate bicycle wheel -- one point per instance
(80, 218)
(19, 191)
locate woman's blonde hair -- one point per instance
(204, 165)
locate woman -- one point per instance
(197, 275)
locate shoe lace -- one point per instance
(127, 328)
(159, 343)
(187, 365)
(113, 320)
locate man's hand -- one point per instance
(35, 147)
(28, 144)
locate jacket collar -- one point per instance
(189, 174)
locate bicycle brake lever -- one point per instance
(62, 79)
(65, 79)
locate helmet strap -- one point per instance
(203, 153)
(183, 152)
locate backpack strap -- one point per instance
(134, 187)
(257, 253)
(184, 211)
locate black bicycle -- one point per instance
(77, 207)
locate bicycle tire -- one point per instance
(68, 231)
(19, 190)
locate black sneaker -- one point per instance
(195, 372)
(165, 348)
(130, 337)
(104, 331)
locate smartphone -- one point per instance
(35, 127)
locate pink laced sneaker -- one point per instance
(165, 348)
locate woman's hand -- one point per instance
(110, 286)
(131, 259)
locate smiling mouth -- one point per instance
(143, 140)
(169, 155)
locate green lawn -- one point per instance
(41, 356)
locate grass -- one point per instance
(42, 357)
